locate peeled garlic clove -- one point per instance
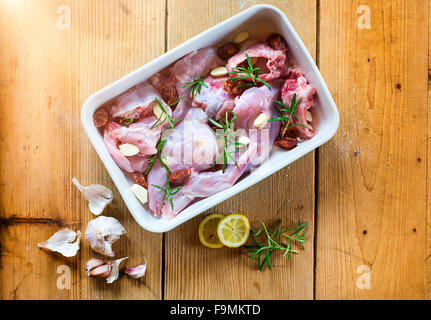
(115, 269)
(102, 232)
(128, 149)
(309, 127)
(244, 141)
(65, 241)
(261, 120)
(138, 271)
(241, 36)
(158, 112)
(98, 196)
(218, 72)
(309, 116)
(140, 193)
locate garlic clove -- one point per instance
(93, 263)
(128, 149)
(115, 269)
(261, 120)
(309, 127)
(138, 271)
(140, 193)
(244, 141)
(102, 232)
(241, 36)
(102, 271)
(98, 196)
(219, 72)
(65, 241)
(309, 116)
(158, 112)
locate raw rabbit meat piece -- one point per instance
(140, 134)
(192, 145)
(192, 66)
(251, 104)
(137, 134)
(135, 103)
(275, 66)
(205, 184)
(214, 100)
(298, 84)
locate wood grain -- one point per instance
(373, 179)
(372, 187)
(47, 73)
(195, 272)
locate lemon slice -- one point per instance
(208, 231)
(233, 230)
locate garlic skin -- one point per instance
(65, 241)
(102, 232)
(138, 271)
(100, 269)
(115, 269)
(98, 196)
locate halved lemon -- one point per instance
(208, 231)
(233, 230)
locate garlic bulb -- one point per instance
(98, 196)
(65, 241)
(101, 269)
(138, 271)
(102, 232)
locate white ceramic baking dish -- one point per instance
(258, 19)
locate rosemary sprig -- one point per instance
(159, 156)
(228, 135)
(168, 191)
(165, 115)
(196, 85)
(263, 251)
(251, 73)
(126, 122)
(287, 120)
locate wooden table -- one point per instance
(366, 193)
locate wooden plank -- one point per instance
(371, 176)
(47, 73)
(195, 272)
(429, 148)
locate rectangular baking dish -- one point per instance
(257, 19)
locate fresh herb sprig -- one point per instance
(158, 155)
(169, 192)
(126, 122)
(288, 120)
(251, 73)
(196, 86)
(263, 251)
(164, 116)
(230, 146)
